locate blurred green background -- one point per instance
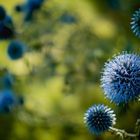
(59, 76)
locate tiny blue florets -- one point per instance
(16, 50)
(121, 78)
(136, 23)
(99, 118)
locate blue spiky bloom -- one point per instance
(7, 101)
(7, 29)
(30, 7)
(135, 24)
(99, 118)
(35, 4)
(16, 50)
(2, 13)
(121, 78)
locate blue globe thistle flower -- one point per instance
(30, 7)
(135, 24)
(34, 4)
(2, 13)
(7, 29)
(7, 101)
(121, 78)
(99, 118)
(16, 50)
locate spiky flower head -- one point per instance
(7, 101)
(135, 24)
(16, 50)
(7, 29)
(30, 7)
(121, 78)
(35, 4)
(99, 118)
(2, 13)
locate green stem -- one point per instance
(122, 133)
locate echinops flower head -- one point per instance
(35, 4)
(16, 50)
(7, 101)
(7, 30)
(120, 79)
(30, 7)
(2, 12)
(135, 24)
(99, 118)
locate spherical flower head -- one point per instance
(99, 118)
(136, 23)
(7, 28)
(2, 13)
(121, 78)
(7, 101)
(35, 4)
(15, 50)
(30, 7)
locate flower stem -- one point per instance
(122, 133)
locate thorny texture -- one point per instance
(121, 78)
(99, 118)
(135, 24)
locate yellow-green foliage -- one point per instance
(59, 76)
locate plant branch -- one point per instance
(122, 133)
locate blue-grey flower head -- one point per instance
(7, 29)
(16, 50)
(99, 118)
(2, 13)
(7, 101)
(121, 78)
(135, 24)
(30, 7)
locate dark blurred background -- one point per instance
(68, 42)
